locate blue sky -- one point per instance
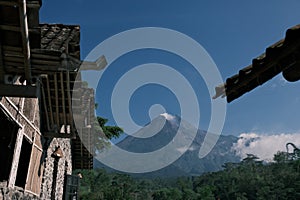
(232, 32)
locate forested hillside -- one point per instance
(249, 179)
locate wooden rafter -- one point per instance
(27, 91)
(30, 4)
(17, 28)
(281, 57)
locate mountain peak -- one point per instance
(168, 116)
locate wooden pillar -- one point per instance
(25, 39)
(15, 162)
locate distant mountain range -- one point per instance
(189, 163)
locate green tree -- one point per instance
(280, 157)
(109, 131)
(104, 133)
(167, 194)
(206, 192)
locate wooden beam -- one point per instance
(99, 64)
(33, 4)
(18, 29)
(16, 158)
(25, 39)
(14, 67)
(30, 4)
(40, 63)
(9, 90)
(9, 3)
(235, 90)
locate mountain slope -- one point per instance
(189, 163)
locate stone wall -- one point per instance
(62, 165)
(14, 193)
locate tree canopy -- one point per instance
(249, 179)
(104, 133)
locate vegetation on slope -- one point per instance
(249, 179)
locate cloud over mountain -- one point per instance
(186, 142)
(264, 146)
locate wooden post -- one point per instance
(49, 99)
(25, 39)
(56, 103)
(70, 105)
(45, 107)
(15, 162)
(63, 101)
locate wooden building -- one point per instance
(281, 57)
(40, 145)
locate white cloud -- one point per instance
(184, 149)
(168, 116)
(264, 146)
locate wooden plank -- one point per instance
(15, 67)
(10, 28)
(16, 157)
(45, 57)
(31, 4)
(235, 86)
(28, 91)
(39, 62)
(17, 29)
(99, 64)
(16, 59)
(32, 161)
(33, 183)
(9, 3)
(51, 52)
(25, 39)
(11, 48)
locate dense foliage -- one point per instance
(103, 133)
(249, 179)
